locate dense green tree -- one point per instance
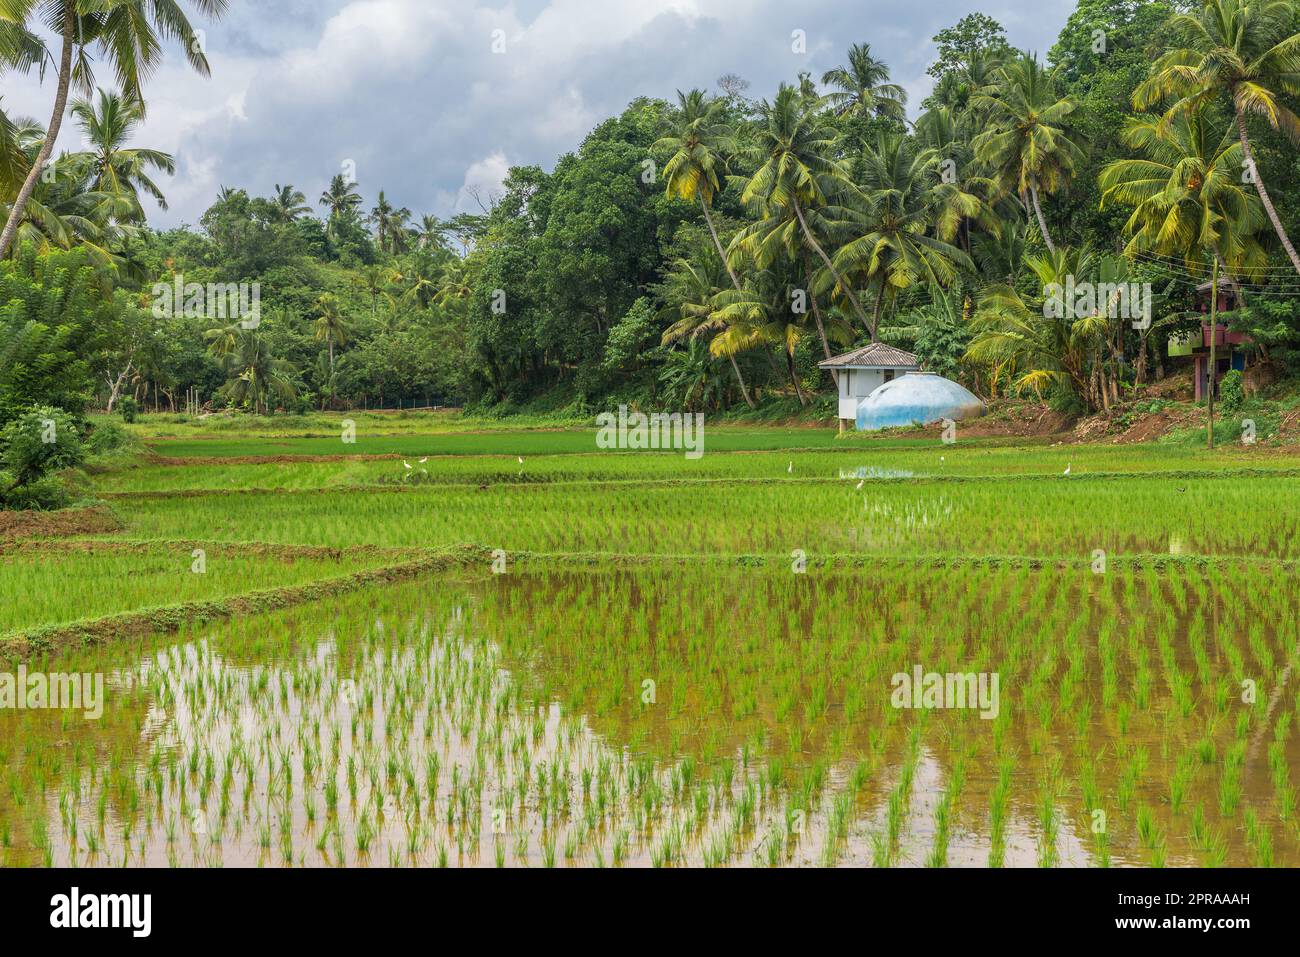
(56, 310)
(974, 36)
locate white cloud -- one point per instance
(484, 178)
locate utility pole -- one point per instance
(1214, 338)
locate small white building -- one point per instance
(862, 371)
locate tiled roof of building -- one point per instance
(876, 354)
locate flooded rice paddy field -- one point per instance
(641, 664)
(732, 716)
(912, 459)
(1041, 517)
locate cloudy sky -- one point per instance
(411, 92)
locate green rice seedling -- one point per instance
(1180, 781)
(1230, 779)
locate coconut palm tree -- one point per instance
(948, 132)
(224, 341)
(955, 88)
(999, 255)
(1187, 195)
(776, 238)
(418, 276)
(289, 203)
(126, 34)
(904, 226)
(430, 233)
(1026, 144)
(340, 197)
(862, 88)
(455, 287)
(1246, 51)
(13, 160)
(341, 200)
(798, 186)
(374, 279)
(689, 289)
(20, 48)
(331, 326)
(256, 375)
(108, 124)
(390, 225)
(759, 314)
(690, 377)
(697, 139)
(61, 210)
(1040, 344)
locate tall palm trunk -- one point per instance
(735, 282)
(1042, 222)
(740, 379)
(794, 377)
(875, 310)
(717, 243)
(839, 280)
(817, 312)
(1263, 192)
(52, 133)
(817, 317)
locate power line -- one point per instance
(1181, 264)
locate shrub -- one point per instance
(1232, 392)
(39, 441)
(128, 408)
(44, 494)
(1066, 401)
(107, 437)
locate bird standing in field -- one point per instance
(862, 483)
(521, 460)
(790, 468)
(406, 463)
(423, 460)
(1067, 469)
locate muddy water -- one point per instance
(510, 721)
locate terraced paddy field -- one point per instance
(632, 658)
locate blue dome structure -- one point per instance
(917, 398)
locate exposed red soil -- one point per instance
(1115, 428)
(63, 523)
(1006, 418)
(260, 459)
